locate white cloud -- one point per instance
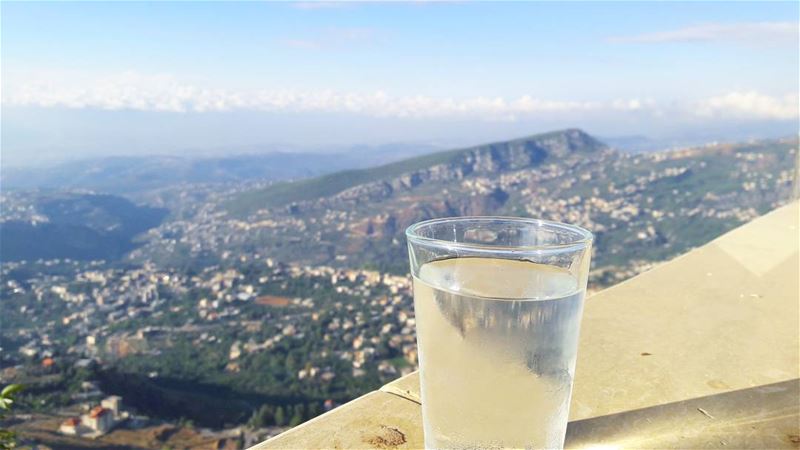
(165, 93)
(750, 105)
(751, 33)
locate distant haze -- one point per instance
(127, 133)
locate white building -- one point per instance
(113, 404)
(99, 420)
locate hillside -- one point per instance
(75, 226)
(643, 208)
(488, 158)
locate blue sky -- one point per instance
(83, 79)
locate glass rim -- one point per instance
(583, 239)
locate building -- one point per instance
(113, 404)
(70, 426)
(99, 420)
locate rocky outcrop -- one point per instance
(483, 160)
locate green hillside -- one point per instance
(309, 189)
(79, 226)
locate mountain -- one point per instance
(493, 158)
(642, 208)
(697, 138)
(124, 175)
(75, 226)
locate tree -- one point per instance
(280, 417)
(185, 423)
(291, 362)
(7, 437)
(263, 417)
(313, 410)
(254, 421)
(297, 417)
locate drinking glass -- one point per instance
(498, 304)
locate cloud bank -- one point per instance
(164, 93)
(750, 104)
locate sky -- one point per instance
(98, 79)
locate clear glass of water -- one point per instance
(498, 306)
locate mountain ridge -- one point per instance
(658, 204)
(511, 154)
